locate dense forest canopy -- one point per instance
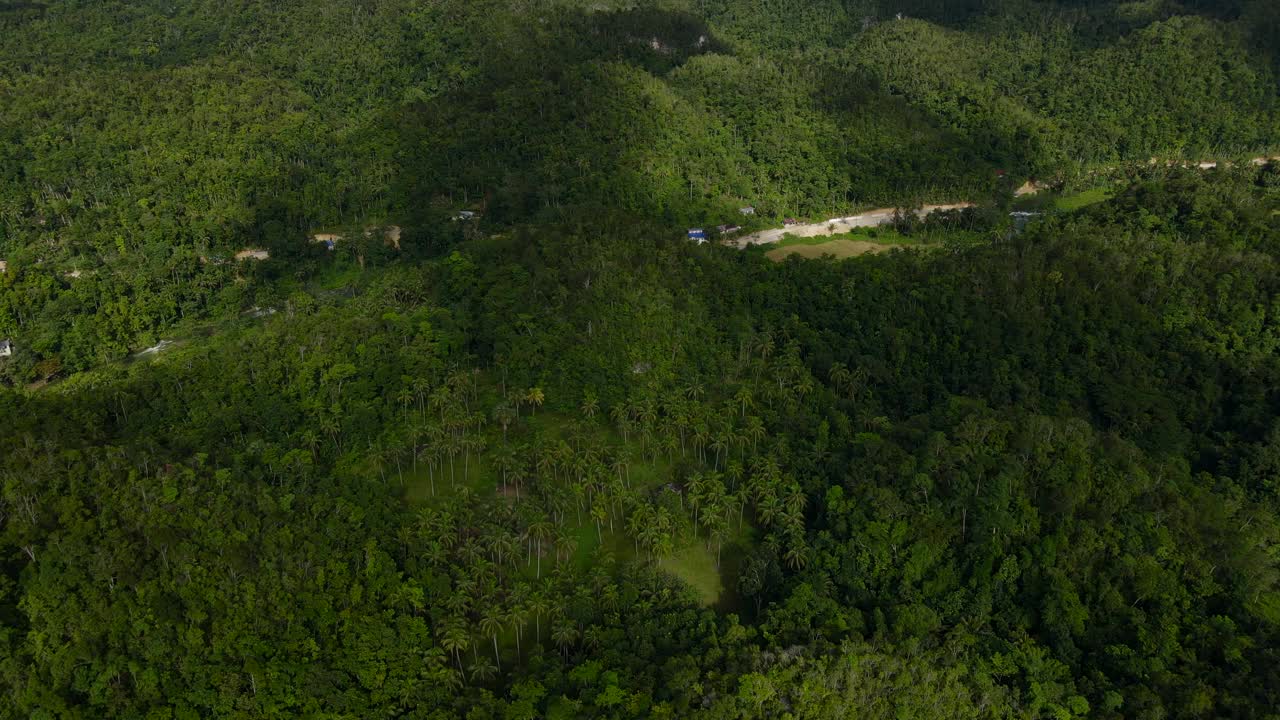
(553, 460)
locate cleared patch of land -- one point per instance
(840, 248)
(1083, 199)
(696, 566)
(863, 241)
(837, 226)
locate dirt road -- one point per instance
(835, 226)
(884, 216)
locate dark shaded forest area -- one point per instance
(554, 460)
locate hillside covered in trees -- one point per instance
(553, 460)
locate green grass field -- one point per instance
(863, 241)
(1084, 198)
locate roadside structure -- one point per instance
(391, 233)
(330, 240)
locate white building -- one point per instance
(6, 348)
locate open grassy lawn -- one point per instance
(863, 241)
(696, 566)
(1084, 198)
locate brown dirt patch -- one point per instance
(840, 249)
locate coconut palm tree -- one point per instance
(535, 397)
(456, 639)
(599, 514)
(796, 500)
(405, 397)
(566, 546)
(590, 405)
(482, 670)
(744, 399)
(796, 556)
(539, 605)
(504, 415)
(311, 440)
(564, 634)
(839, 376)
(515, 617)
(491, 624)
(538, 532)
(754, 431)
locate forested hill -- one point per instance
(470, 430)
(137, 138)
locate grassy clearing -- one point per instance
(1084, 198)
(863, 241)
(696, 566)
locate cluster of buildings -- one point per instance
(699, 236)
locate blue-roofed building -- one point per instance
(698, 235)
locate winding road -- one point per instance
(884, 216)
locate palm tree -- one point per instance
(505, 415)
(718, 444)
(482, 670)
(621, 417)
(744, 399)
(765, 345)
(566, 546)
(598, 513)
(564, 634)
(539, 605)
(435, 553)
(416, 431)
(769, 508)
(754, 431)
(405, 397)
(473, 442)
(538, 532)
(515, 618)
(839, 376)
(311, 440)
(796, 500)
(590, 405)
(796, 556)
(535, 397)
(491, 624)
(452, 446)
(329, 425)
(378, 458)
(637, 523)
(456, 639)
